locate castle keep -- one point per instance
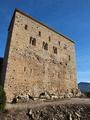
(37, 59)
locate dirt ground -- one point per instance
(37, 103)
(67, 109)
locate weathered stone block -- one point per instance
(38, 59)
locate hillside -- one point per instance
(84, 87)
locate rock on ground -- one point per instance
(49, 112)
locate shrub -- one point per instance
(2, 98)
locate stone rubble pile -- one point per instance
(45, 96)
(49, 112)
(67, 112)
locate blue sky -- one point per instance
(69, 17)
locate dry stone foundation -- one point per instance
(37, 60)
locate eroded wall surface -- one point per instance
(39, 60)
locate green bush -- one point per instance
(2, 98)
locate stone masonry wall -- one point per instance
(39, 60)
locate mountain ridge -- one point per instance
(84, 86)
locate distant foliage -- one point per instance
(2, 98)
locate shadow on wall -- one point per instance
(1, 66)
(5, 59)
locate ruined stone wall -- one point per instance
(39, 60)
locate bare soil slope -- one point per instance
(70, 109)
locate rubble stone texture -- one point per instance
(50, 112)
(37, 59)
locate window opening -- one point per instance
(26, 27)
(45, 46)
(55, 49)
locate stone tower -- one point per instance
(37, 59)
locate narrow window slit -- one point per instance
(54, 49)
(26, 27)
(39, 33)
